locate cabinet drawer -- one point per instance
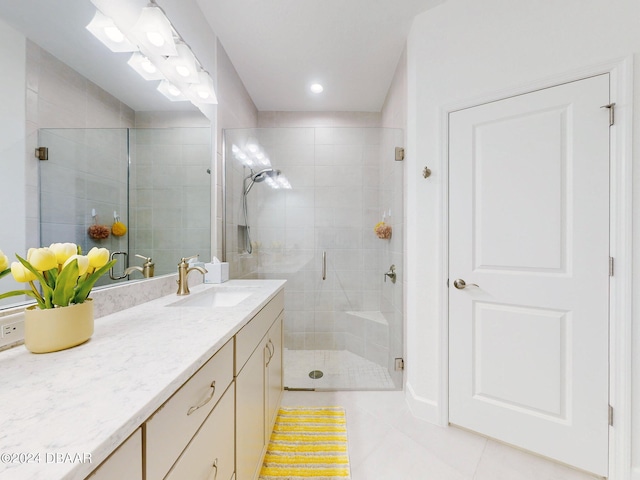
(248, 338)
(212, 445)
(173, 425)
(125, 462)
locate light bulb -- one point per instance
(114, 34)
(148, 66)
(316, 88)
(182, 70)
(173, 90)
(155, 38)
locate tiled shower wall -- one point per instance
(170, 195)
(344, 181)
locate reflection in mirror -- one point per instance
(155, 181)
(68, 79)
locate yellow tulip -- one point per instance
(4, 262)
(21, 274)
(42, 259)
(63, 251)
(83, 263)
(98, 257)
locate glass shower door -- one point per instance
(343, 322)
(84, 184)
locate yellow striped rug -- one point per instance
(308, 443)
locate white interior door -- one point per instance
(529, 225)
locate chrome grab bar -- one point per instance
(324, 265)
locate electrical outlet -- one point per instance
(11, 330)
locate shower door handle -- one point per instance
(324, 265)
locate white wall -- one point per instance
(12, 146)
(461, 50)
(235, 110)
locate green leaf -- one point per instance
(84, 286)
(5, 273)
(65, 284)
(47, 291)
(15, 293)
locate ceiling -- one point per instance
(278, 47)
(281, 47)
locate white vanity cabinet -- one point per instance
(173, 426)
(259, 385)
(210, 455)
(274, 374)
(125, 462)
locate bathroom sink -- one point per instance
(215, 297)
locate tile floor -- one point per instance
(387, 443)
(342, 370)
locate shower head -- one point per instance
(262, 175)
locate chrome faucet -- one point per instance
(146, 269)
(391, 274)
(183, 274)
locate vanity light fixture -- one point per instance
(204, 90)
(103, 28)
(160, 53)
(316, 88)
(182, 67)
(145, 68)
(154, 30)
(170, 91)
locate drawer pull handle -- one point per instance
(271, 352)
(214, 470)
(206, 400)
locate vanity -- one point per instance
(175, 388)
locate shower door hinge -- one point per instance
(611, 108)
(399, 154)
(611, 266)
(610, 415)
(399, 363)
(42, 153)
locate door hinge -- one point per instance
(399, 363)
(42, 153)
(612, 108)
(610, 415)
(611, 266)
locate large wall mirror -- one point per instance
(117, 147)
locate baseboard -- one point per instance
(421, 407)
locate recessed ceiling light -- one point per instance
(316, 88)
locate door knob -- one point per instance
(461, 284)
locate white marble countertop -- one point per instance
(62, 409)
